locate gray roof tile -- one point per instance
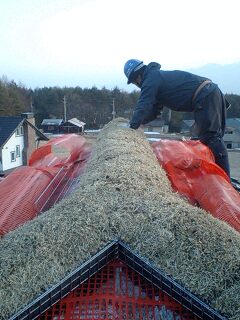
(7, 126)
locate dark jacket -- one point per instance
(172, 89)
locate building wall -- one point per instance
(232, 140)
(29, 140)
(70, 128)
(153, 129)
(236, 145)
(53, 129)
(234, 159)
(11, 147)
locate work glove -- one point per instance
(124, 125)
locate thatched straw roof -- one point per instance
(124, 193)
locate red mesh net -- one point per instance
(53, 173)
(58, 151)
(19, 191)
(117, 292)
(192, 171)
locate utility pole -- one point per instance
(169, 118)
(113, 110)
(65, 108)
(169, 115)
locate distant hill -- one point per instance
(226, 76)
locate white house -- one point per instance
(12, 150)
(17, 140)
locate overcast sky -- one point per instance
(87, 42)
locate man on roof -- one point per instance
(185, 92)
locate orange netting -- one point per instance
(192, 171)
(58, 151)
(19, 191)
(52, 173)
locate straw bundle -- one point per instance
(123, 193)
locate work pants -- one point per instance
(210, 120)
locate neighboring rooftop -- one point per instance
(76, 122)
(52, 122)
(7, 126)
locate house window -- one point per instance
(50, 128)
(17, 151)
(13, 157)
(19, 131)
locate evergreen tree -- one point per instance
(92, 105)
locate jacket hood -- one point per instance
(150, 66)
(153, 65)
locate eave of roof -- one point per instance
(41, 135)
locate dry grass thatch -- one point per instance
(123, 193)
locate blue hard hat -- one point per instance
(130, 67)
